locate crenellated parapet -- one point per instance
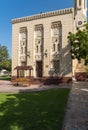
(43, 15)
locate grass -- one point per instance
(33, 111)
(5, 78)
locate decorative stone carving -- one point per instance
(38, 57)
(22, 43)
(38, 27)
(23, 58)
(43, 15)
(37, 41)
(39, 34)
(23, 29)
(55, 39)
(56, 24)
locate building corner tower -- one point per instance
(80, 12)
(80, 18)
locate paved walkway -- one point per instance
(6, 86)
(77, 109)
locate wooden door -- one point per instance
(39, 68)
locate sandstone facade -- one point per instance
(41, 41)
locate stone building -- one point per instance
(40, 44)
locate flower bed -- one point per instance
(21, 82)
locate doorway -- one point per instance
(39, 69)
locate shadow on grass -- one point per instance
(33, 111)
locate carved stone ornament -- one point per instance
(22, 43)
(38, 57)
(23, 29)
(56, 24)
(37, 41)
(23, 58)
(38, 27)
(55, 39)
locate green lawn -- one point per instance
(33, 111)
(5, 78)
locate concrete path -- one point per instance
(76, 117)
(6, 86)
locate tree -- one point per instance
(79, 43)
(5, 61)
(6, 64)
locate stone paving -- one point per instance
(76, 117)
(6, 86)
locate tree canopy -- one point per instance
(5, 61)
(79, 44)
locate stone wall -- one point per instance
(46, 19)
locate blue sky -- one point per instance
(10, 9)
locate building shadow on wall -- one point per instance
(66, 61)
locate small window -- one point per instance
(38, 42)
(53, 47)
(58, 47)
(21, 50)
(37, 48)
(79, 2)
(25, 49)
(56, 40)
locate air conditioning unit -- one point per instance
(80, 23)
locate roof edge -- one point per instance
(43, 15)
